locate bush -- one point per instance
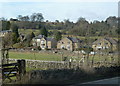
(39, 48)
(18, 45)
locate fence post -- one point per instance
(21, 68)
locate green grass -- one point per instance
(49, 56)
(35, 56)
(28, 31)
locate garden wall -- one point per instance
(38, 64)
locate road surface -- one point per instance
(114, 80)
(111, 81)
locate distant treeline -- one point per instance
(81, 28)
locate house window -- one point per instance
(68, 42)
(68, 47)
(99, 43)
(62, 42)
(106, 43)
(42, 42)
(62, 47)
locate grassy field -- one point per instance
(35, 56)
(49, 56)
(27, 31)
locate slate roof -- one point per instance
(42, 36)
(74, 40)
(4, 31)
(39, 36)
(49, 39)
(111, 40)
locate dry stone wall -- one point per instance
(38, 64)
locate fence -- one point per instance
(13, 70)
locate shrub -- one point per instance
(18, 45)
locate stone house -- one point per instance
(105, 43)
(4, 32)
(44, 42)
(69, 43)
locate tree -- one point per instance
(19, 17)
(57, 21)
(15, 33)
(28, 39)
(5, 41)
(23, 18)
(12, 39)
(2, 19)
(8, 25)
(57, 35)
(112, 21)
(14, 29)
(44, 32)
(81, 19)
(36, 17)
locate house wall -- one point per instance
(53, 43)
(103, 44)
(35, 42)
(43, 43)
(49, 45)
(114, 47)
(2, 34)
(76, 45)
(65, 43)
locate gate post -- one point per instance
(21, 68)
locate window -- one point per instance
(42, 41)
(43, 44)
(68, 47)
(62, 42)
(106, 43)
(99, 43)
(62, 46)
(68, 42)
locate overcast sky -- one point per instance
(60, 10)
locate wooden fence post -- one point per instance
(21, 68)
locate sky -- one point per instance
(60, 9)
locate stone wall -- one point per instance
(38, 64)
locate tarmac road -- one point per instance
(109, 82)
(115, 80)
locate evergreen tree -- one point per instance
(14, 29)
(28, 39)
(44, 32)
(8, 25)
(57, 35)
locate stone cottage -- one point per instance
(4, 32)
(105, 43)
(44, 42)
(69, 43)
